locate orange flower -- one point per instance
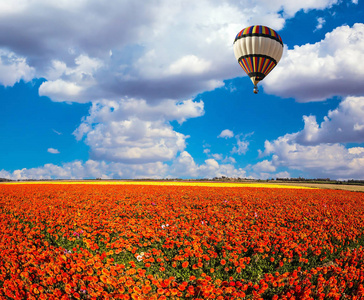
(185, 264)
(98, 265)
(147, 289)
(174, 292)
(103, 278)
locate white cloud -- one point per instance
(264, 175)
(229, 159)
(283, 174)
(319, 149)
(135, 140)
(88, 169)
(69, 84)
(152, 51)
(320, 23)
(315, 72)
(241, 144)
(264, 166)
(220, 157)
(5, 174)
(185, 166)
(241, 148)
(53, 151)
(267, 169)
(60, 90)
(217, 156)
(132, 131)
(14, 68)
(344, 124)
(189, 64)
(182, 166)
(319, 161)
(226, 133)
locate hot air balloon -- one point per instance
(258, 50)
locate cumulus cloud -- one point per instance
(315, 72)
(88, 169)
(183, 166)
(266, 169)
(60, 90)
(53, 151)
(189, 65)
(320, 23)
(70, 83)
(13, 68)
(344, 124)
(88, 50)
(226, 133)
(322, 161)
(241, 147)
(132, 131)
(319, 150)
(242, 144)
(220, 157)
(264, 166)
(322, 150)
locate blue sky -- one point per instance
(122, 90)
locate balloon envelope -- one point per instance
(258, 49)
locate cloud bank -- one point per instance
(88, 50)
(316, 72)
(183, 166)
(344, 124)
(320, 150)
(133, 131)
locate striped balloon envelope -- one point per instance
(258, 50)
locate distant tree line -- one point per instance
(322, 180)
(4, 179)
(305, 179)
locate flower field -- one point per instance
(137, 241)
